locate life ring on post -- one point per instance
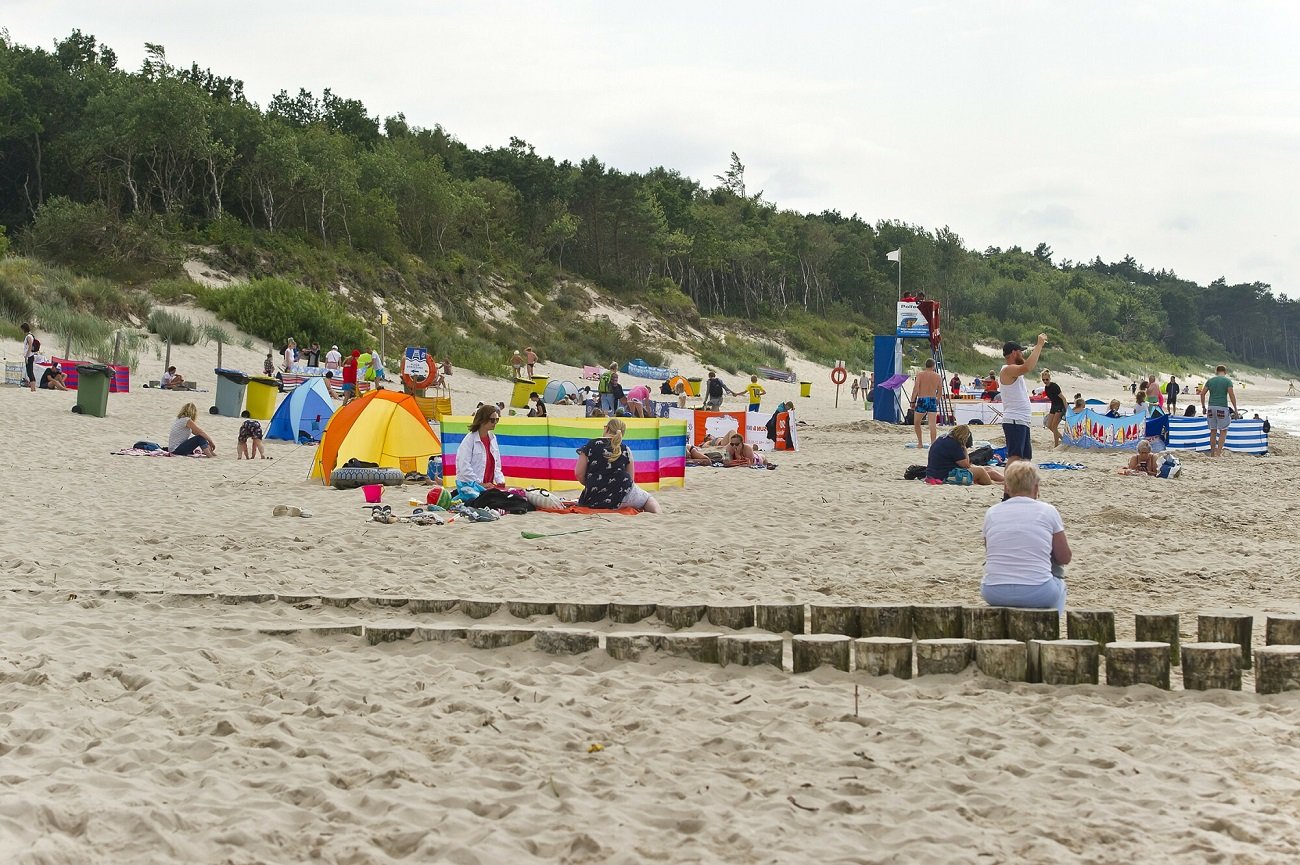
(839, 375)
(422, 374)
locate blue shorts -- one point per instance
(348, 387)
(1018, 444)
(753, 406)
(927, 405)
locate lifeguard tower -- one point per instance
(917, 318)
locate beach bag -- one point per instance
(914, 473)
(1170, 468)
(981, 455)
(147, 446)
(603, 383)
(960, 477)
(542, 500)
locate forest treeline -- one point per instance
(101, 165)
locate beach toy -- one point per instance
(373, 492)
(532, 536)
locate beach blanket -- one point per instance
(575, 509)
(777, 374)
(142, 452)
(1074, 467)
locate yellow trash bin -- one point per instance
(539, 384)
(696, 386)
(805, 388)
(519, 397)
(259, 398)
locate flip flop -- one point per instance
(286, 511)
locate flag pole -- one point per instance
(900, 277)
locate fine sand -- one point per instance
(140, 724)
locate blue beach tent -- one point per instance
(307, 409)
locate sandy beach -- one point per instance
(147, 719)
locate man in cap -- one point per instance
(350, 376)
(332, 357)
(1015, 397)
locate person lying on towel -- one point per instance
(1143, 462)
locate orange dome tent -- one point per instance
(382, 427)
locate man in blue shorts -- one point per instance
(925, 401)
(1016, 413)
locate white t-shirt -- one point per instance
(167, 378)
(1018, 542)
(332, 358)
(27, 346)
(179, 433)
(1015, 400)
(288, 358)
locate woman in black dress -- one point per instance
(1056, 409)
(606, 470)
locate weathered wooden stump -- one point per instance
(984, 623)
(629, 647)
(440, 633)
(479, 609)
(255, 598)
(490, 637)
(936, 621)
(810, 651)
(297, 599)
(1159, 627)
(528, 609)
(1282, 630)
(630, 612)
(282, 630)
(834, 619)
(376, 634)
(680, 615)
(184, 597)
(1227, 628)
(336, 630)
(885, 620)
(1095, 625)
(1002, 659)
(779, 618)
(339, 600)
(884, 656)
(1211, 665)
(943, 655)
(1033, 652)
(1025, 624)
(432, 605)
(1068, 662)
(751, 650)
(737, 617)
(1277, 669)
(561, 641)
(388, 601)
(1137, 663)
(584, 612)
(700, 647)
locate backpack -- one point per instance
(981, 455)
(603, 385)
(715, 388)
(36, 345)
(914, 473)
(961, 477)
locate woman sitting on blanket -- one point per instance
(740, 454)
(606, 471)
(186, 436)
(478, 458)
(949, 452)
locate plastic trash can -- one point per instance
(519, 396)
(262, 391)
(695, 386)
(93, 380)
(539, 384)
(805, 388)
(230, 392)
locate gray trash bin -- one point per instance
(230, 392)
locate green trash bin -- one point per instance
(230, 392)
(93, 380)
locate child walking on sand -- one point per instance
(250, 441)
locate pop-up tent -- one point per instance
(307, 409)
(558, 390)
(382, 427)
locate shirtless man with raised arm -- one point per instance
(925, 401)
(1016, 414)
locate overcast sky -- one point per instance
(1169, 131)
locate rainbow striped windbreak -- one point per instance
(541, 452)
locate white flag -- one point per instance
(896, 255)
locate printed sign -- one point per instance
(910, 321)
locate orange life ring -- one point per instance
(839, 375)
(427, 381)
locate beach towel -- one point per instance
(1074, 467)
(145, 452)
(577, 509)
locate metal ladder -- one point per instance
(947, 415)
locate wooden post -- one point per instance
(943, 656)
(1159, 627)
(376, 634)
(1069, 662)
(1227, 628)
(984, 623)
(1025, 625)
(810, 651)
(885, 620)
(581, 612)
(779, 618)
(491, 637)
(432, 605)
(207, 596)
(936, 621)
(1002, 659)
(339, 600)
(528, 609)
(884, 656)
(479, 609)
(1211, 665)
(440, 633)
(1277, 669)
(630, 612)
(1282, 630)
(700, 647)
(246, 599)
(563, 641)
(734, 616)
(387, 601)
(751, 650)
(335, 630)
(297, 599)
(1137, 663)
(834, 619)
(1095, 625)
(680, 615)
(1034, 671)
(629, 647)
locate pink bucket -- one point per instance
(373, 492)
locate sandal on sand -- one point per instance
(289, 511)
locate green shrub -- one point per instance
(4, 243)
(173, 290)
(274, 309)
(92, 239)
(174, 328)
(739, 354)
